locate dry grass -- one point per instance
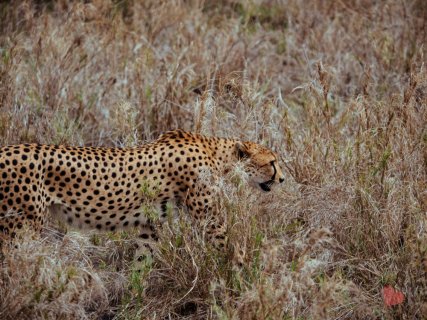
(337, 88)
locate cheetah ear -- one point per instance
(242, 151)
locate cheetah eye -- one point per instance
(267, 164)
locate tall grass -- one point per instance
(337, 88)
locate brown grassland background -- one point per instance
(337, 88)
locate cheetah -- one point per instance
(102, 188)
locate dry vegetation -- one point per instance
(337, 88)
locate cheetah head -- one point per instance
(261, 164)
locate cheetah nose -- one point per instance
(281, 180)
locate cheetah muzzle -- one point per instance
(266, 186)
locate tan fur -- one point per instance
(103, 188)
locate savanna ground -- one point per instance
(337, 88)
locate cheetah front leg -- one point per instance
(148, 230)
(200, 205)
(145, 242)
